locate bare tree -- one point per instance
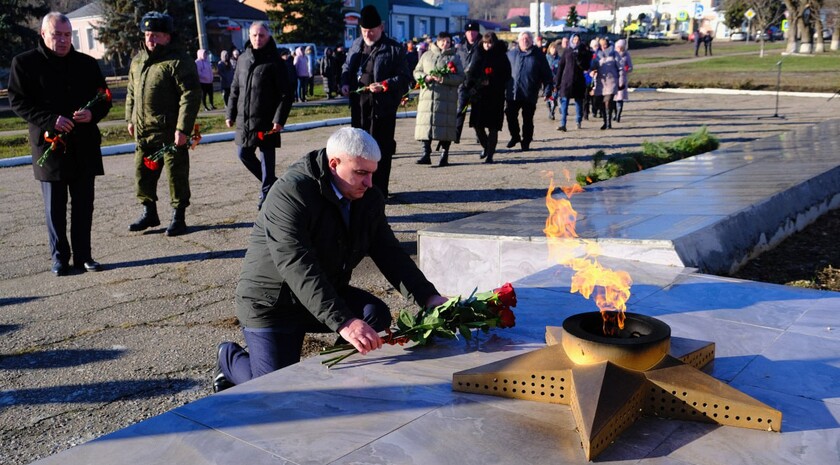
(767, 12)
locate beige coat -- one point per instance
(437, 110)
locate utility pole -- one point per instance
(199, 23)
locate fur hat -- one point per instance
(472, 26)
(370, 17)
(157, 22)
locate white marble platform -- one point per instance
(712, 212)
(778, 344)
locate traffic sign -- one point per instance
(750, 14)
(682, 16)
(698, 10)
(784, 25)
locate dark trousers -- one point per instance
(207, 95)
(512, 108)
(463, 100)
(271, 349)
(81, 192)
(262, 169)
(488, 138)
(382, 130)
(225, 95)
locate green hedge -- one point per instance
(652, 154)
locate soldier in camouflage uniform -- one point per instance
(161, 105)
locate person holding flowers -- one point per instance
(488, 105)
(321, 218)
(440, 72)
(62, 94)
(161, 104)
(260, 101)
(376, 63)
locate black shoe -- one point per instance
(561, 128)
(604, 126)
(424, 160)
(482, 155)
(526, 146)
(178, 226)
(60, 269)
(578, 125)
(513, 142)
(89, 265)
(148, 219)
(220, 381)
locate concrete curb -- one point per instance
(206, 139)
(714, 91)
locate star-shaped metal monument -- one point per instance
(606, 397)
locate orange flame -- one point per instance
(611, 288)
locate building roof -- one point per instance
(233, 9)
(414, 3)
(212, 8)
(91, 9)
(561, 11)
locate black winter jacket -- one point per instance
(488, 104)
(260, 94)
(570, 79)
(43, 86)
(389, 64)
(300, 253)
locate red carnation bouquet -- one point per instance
(56, 140)
(440, 72)
(153, 161)
(481, 311)
(361, 89)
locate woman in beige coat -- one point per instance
(440, 72)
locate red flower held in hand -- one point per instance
(488, 71)
(384, 85)
(451, 67)
(151, 164)
(261, 135)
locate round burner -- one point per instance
(642, 343)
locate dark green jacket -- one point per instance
(163, 95)
(301, 254)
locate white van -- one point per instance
(293, 46)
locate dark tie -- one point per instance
(345, 210)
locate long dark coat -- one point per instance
(389, 64)
(43, 86)
(301, 254)
(488, 104)
(260, 95)
(570, 79)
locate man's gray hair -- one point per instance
(261, 24)
(353, 142)
(525, 33)
(54, 17)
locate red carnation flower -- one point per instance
(384, 85)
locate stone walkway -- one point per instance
(87, 354)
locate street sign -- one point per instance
(750, 14)
(682, 16)
(784, 25)
(698, 10)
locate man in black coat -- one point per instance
(321, 218)
(260, 100)
(469, 52)
(530, 72)
(376, 63)
(49, 88)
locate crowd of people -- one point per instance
(326, 212)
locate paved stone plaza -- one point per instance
(95, 352)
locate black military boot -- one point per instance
(178, 226)
(149, 218)
(426, 159)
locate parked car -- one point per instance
(826, 33)
(735, 36)
(656, 35)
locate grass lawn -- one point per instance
(736, 65)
